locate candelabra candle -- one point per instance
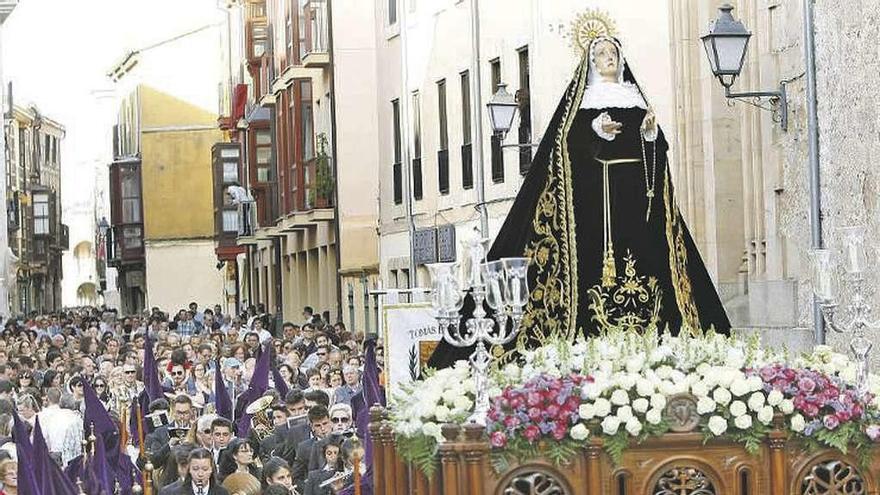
(822, 274)
(854, 248)
(503, 287)
(858, 310)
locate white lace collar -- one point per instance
(603, 94)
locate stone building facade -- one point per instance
(744, 183)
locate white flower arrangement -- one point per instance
(631, 379)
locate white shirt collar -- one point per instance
(602, 94)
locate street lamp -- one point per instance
(502, 110)
(726, 45)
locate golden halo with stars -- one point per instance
(589, 25)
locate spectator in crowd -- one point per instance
(46, 361)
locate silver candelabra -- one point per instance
(503, 286)
(858, 311)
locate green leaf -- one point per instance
(419, 450)
(615, 445)
(499, 461)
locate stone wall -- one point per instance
(771, 291)
(848, 64)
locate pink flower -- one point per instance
(531, 432)
(560, 429)
(807, 384)
(497, 439)
(831, 422)
(511, 421)
(535, 414)
(533, 399)
(873, 432)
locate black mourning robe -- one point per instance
(559, 218)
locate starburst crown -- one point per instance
(589, 25)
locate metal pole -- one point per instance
(407, 142)
(337, 219)
(813, 132)
(477, 118)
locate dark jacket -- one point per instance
(313, 482)
(186, 489)
(307, 459)
(172, 488)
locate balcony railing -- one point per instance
(247, 219)
(316, 37)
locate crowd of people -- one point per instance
(298, 436)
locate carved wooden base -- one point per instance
(675, 464)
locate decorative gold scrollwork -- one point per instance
(632, 302)
(535, 483)
(684, 480)
(833, 478)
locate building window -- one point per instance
(525, 113)
(398, 179)
(301, 27)
(131, 196)
(467, 164)
(41, 213)
(132, 238)
(230, 221)
(307, 115)
(497, 151)
(289, 31)
(443, 152)
(417, 147)
(230, 172)
(263, 147)
(392, 12)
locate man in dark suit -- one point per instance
(160, 440)
(308, 457)
(201, 477)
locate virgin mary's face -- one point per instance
(606, 58)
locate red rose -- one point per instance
(531, 433)
(498, 439)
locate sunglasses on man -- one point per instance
(341, 419)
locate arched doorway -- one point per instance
(87, 294)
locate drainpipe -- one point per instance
(813, 133)
(405, 134)
(477, 118)
(335, 160)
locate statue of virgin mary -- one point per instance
(597, 216)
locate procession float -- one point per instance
(587, 352)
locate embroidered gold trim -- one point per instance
(635, 301)
(678, 262)
(553, 301)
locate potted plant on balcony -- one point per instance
(321, 193)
